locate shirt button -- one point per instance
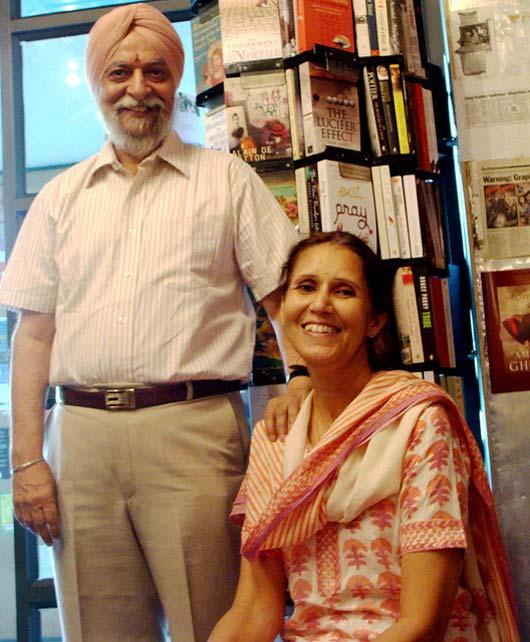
(122, 319)
(127, 275)
(131, 230)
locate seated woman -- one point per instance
(376, 509)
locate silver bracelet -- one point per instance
(27, 464)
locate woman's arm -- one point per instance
(429, 581)
(257, 612)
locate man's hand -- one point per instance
(281, 411)
(35, 501)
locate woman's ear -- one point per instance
(375, 326)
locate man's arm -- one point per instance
(34, 490)
(281, 411)
(257, 613)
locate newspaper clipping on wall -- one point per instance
(489, 45)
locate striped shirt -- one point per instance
(145, 274)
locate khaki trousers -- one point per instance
(144, 497)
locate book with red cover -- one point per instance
(325, 22)
(442, 321)
(507, 315)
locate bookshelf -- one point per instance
(400, 156)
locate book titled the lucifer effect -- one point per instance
(507, 315)
(330, 107)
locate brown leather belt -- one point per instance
(135, 398)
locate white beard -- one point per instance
(145, 135)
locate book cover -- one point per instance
(390, 214)
(383, 28)
(423, 298)
(362, 35)
(372, 27)
(325, 22)
(207, 48)
(267, 364)
(401, 216)
(330, 107)
(374, 113)
(250, 30)
(346, 200)
(215, 133)
(507, 316)
(257, 116)
(400, 110)
(410, 44)
(385, 91)
(407, 317)
(430, 210)
(282, 183)
(413, 215)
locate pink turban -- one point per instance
(108, 32)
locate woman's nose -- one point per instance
(321, 301)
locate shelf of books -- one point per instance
(335, 105)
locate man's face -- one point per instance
(137, 93)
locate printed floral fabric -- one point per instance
(345, 579)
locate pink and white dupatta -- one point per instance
(282, 510)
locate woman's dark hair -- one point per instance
(382, 348)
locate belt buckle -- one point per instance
(120, 399)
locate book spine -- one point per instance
(295, 113)
(430, 126)
(449, 322)
(384, 251)
(287, 27)
(390, 215)
(399, 108)
(407, 319)
(388, 108)
(215, 129)
(362, 35)
(409, 38)
(372, 27)
(304, 77)
(313, 198)
(423, 296)
(416, 95)
(303, 205)
(413, 216)
(393, 23)
(401, 217)
(383, 29)
(439, 321)
(324, 196)
(374, 112)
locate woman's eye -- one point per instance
(345, 292)
(305, 287)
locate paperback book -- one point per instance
(324, 22)
(385, 91)
(330, 107)
(250, 30)
(407, 317)
(507, 315)
(257, 116)
(374, 113)
(281, 182)
(340, 197)
(207, 48)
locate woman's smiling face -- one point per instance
(327, 309)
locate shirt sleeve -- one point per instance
(263, 233)
(433, 498)
(30, 279)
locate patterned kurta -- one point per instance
(345, 579)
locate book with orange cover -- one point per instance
(325, 22)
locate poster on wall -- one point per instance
(491, 67)
(507, 315)
(504, 207)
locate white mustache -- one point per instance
(130, 103)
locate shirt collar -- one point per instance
(172, 151)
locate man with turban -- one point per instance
(128, 275)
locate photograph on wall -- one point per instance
(504, 205)
(490, 65)
(507, 315)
